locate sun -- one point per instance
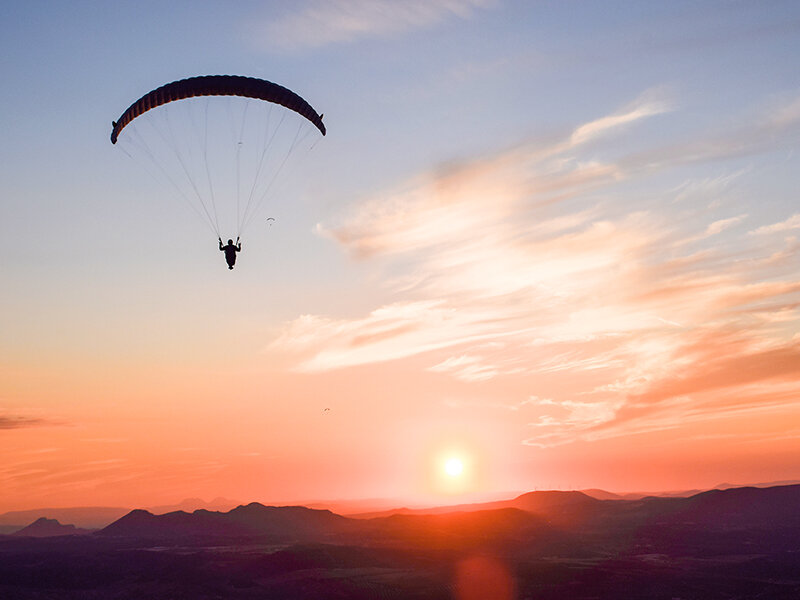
(451, 470)
(453, 467)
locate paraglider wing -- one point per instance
(218, 85)
(223, 144)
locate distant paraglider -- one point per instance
(222, 143)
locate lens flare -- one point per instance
(483, 577)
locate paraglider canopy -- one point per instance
(217, 85)
(222, 143)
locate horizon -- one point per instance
(539, 246)
(359, 506)
(721, 545)
(561, 505)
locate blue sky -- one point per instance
(535, 215)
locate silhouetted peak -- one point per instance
(250, 507)
(44, 527)
(256, 508)
(774, 507)
(547, 500)
(137, 515)
(252, 519)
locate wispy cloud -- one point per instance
(723, 224)
(20, 422)
(772, 128)
(654, 102)
(320, 23)
(511, 267)
(391, 332)
(792, 222)
(467, 368)
(60, 475)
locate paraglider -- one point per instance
(221, 143)
(230, 251)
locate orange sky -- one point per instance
(562, 248)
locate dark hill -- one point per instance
(143, 524)
(537, 515)
(253, 520)
(564, 509)
(719, 545)
(771, 508)
(549, 504)
(288, 520)
(506, 527)
(44, 527)
(545, 502)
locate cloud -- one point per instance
(772, 128)
(538, 265)
(18, 422)
(723, 224)
(388, 333)
(709, 190)
(61, 474)
(466, 368)
(708, 374)
(652, 103)
(320, 23)
(792, 222)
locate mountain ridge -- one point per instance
(769, 508)
(44, 527)
(585, 502)
(250, 520)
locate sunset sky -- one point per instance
(555, 242)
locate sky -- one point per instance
(555, 242)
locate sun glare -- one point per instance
(453, 467)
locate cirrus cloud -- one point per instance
(318, 24)
(20, 422)
(517, 266)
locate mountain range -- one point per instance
(554, 511)
(716, 545)
(97, 517)
(565, 510)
